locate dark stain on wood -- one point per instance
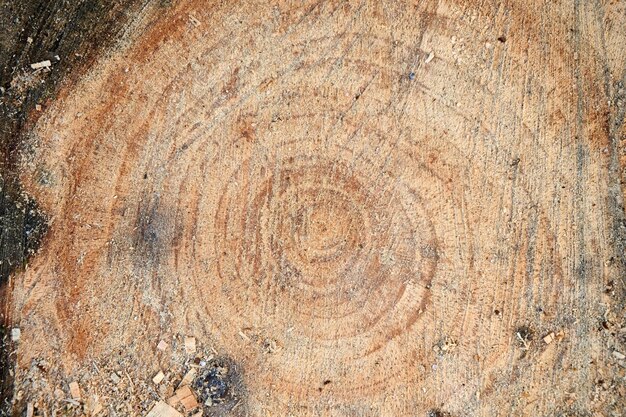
(77, 32)
(154, 233)
(221, 389)
(435, 412)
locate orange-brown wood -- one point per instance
(355, 208)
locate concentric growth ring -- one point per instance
(315, 231)
(321, 250)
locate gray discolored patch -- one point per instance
(220, 389)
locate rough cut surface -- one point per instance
(354, 209)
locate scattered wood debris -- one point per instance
(30, 410)
(430, 57)
(112, 387)
(158, 377)
(162, 409)
(190, 345)
(75, 391)
(42, 64)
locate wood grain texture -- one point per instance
(75, 31)
(367, 208)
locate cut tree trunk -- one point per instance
(334, 209)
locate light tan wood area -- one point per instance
(350, 209)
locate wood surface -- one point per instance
(353, 208)
(31, 31)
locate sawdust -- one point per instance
(96, 387)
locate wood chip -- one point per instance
(173, 400)
(158, 377)
(162, 345)
(42, 64)
(549, 338)
(188, 378)
(97, 408)
(93, 406)
(186, 398)
(190, 403)
(130, 380)
(619, 355)
(430, 57)
(183, 392)
(162, 409)
(30, 410)
(194, 21)
(75, 391)
(190, 345)
(115, 378)
(16, 334)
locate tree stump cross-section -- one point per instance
(356, 208)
